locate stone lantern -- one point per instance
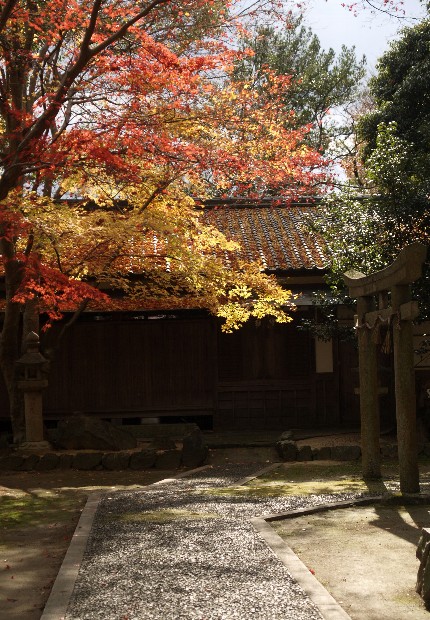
(31, 374)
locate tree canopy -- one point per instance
(366, 226)
(401, 91)
(320, 81)
(396, 154)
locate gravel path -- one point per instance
(177, 552)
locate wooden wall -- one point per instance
(267, 379)
(134, 364)
(180, 364)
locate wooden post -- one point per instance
(369, 398)
(405, 394)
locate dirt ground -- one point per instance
(39, 512)
(365, 557)
(36, 530)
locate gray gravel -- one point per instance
(205, 563)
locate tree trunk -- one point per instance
(9, 353)
(11, 348)
(30, 320)
(19, 321)
(10, 338)
(17, 411)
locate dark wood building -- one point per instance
(178, 365)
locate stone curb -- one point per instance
(90, 460)
(58, 601)
(348, 503)
(323, 600)
(243, 481)
(93, 460)
(62, 590)
(289, 451)
(326, 604)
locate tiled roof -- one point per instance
(275, 234)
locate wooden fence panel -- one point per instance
(134, 365)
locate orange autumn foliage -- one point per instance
(128, 109)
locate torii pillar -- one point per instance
(394, 280)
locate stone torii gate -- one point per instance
(384, 297)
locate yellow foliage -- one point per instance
(150, 253)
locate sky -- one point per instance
(369, 32)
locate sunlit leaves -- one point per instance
(114, 116)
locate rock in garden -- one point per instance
(423, 577)
(170, 459)
(13, 462)
(86, 460)
(83, 432)
(390, 451)
(321, 454)
(304, 453)
(30, 462)
(287, 450)
(116, 460)
(194, 449)
(65, 461)
(47, 462)
(145, 459)
(163, 443)
(345, 453)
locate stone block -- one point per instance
(116, 460)
(30, 462)
(322, 454)
(194, 449)
(83, 432)
(304, 453)
(389, 451)
(287, 450)
(345, 453)
(12, 462)
(163, 443)
(153, 431)
(65, 460)
(4, 442)
(87, 460)
(423, 576)
(47, 462)
(170, 459)
(145, 459)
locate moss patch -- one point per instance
(305, 479)
(29, 510)
(328, 477)
(316, 478)
(278, 488)
(316, 470)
